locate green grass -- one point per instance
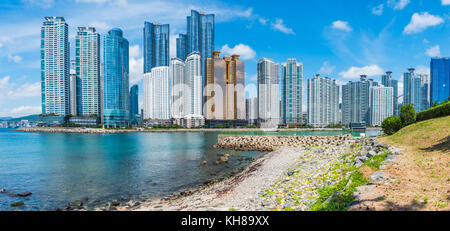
(375, 161)
(344, 195)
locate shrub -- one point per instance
(435, 112)
(408, 115)
(391, 125)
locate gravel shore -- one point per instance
(287, 178)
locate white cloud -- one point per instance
(1, 45)
(14, 58)
(326, 68)
(114, 2)
(8, 90)
(434, 51)
(134, 51)
(378, 10)
(40, 3)
(243, 50)
(399, 4)
(341, 25)
(136, 70)
(279, 26)
(445, 2)
(420, 21)
(263, 21)
(356, 72)
(24, 111)
(422, 70)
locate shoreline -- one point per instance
(115, 131)
(249, 189)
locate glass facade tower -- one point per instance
(116, 94)
(268, 92)
(156, 45)
(200, 36)
(55, 73)
(182, 46)
(291, 92)
(134, 104)
(388, 81)
(440, 79)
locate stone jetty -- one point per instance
(271, 143)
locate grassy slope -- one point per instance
(424, 171)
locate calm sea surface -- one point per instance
(62, 167)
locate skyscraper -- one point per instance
(381, 104)
(225, 79)
(291, 92)
(87, 67)
(416, 90)
(134, 104)
(388, 81)
(356, 100)
(55, 75)
(440, 79)
(182, 46)
(157, 94)
(407, 81)
(193, 80)
(156, 45)
(179, 89)
(268, 92)
(323, 101)
(116, 95)
(200, 37)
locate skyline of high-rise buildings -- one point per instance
(92, 84)
(157, 94)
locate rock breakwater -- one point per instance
(271, 143)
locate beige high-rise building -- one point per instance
(225, 88)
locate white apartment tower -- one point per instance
(156, 89)
(323, 101)
(87, 66)
(268, 92)
(381, 104)
(55, 75)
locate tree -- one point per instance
(407, 115)
(391, 125)
(434, 104)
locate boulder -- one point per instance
(378, 177)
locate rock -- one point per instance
(204, 162)
(24, 194)
(390, 159)
(17, 204)
(290, 173)
(365, 187)
(12, 195)
(115, 203)
(2, 190)
(382, 167)
(378, 176)
(371, 153)
(223, 158)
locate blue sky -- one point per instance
(336, 38)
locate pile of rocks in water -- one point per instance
(271, 143)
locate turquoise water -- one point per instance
(62, 167)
